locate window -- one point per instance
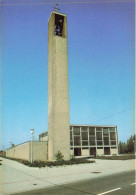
(99, 135)
(106, 150)
(112, 136)
(92, 131)
(71, 143)
(105, 132)
(84, 143)
(77, 151)
(58, 28)
(70, 135)
(113, 142)
(84, 135)
(92, 141)
(84, 128)
(93, 151)
(98, 129)
(85, 148)
(76, 130)
(70, 128)
(106, 140)
(77, 141)
(112, 128)
(99, 143)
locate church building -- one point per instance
(77, 140)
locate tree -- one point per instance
(122, 147)
(130, 144)
(127, 147)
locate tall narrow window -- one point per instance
(84, 129)
(105, 131)
(77, 141)
(112, 136)
(76, 130)
(92, 131)
(84, 135)
(106, 140)
(70, 135)
(99, 135)
(92, 141)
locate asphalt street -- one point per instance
(116, 184)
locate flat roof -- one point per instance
(93, 125)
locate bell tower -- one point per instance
(58, 92)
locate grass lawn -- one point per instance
(121, 157)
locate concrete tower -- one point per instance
(58, 93)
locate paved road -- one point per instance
(17, 178)
(116, 184)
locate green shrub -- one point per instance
(50, 164)
(59, 156)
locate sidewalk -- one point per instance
(16, 177)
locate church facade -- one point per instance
(90, 140)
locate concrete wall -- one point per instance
(71, 152)
(58, 92)
(85, 152)
(40, 150)
(114, 151)
(23, 151)
(44, 138)
(100, 152)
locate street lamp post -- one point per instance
(32, 133)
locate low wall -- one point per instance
(20, 151)
(40, 150)
(23, 151)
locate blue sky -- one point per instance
(100, 59)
